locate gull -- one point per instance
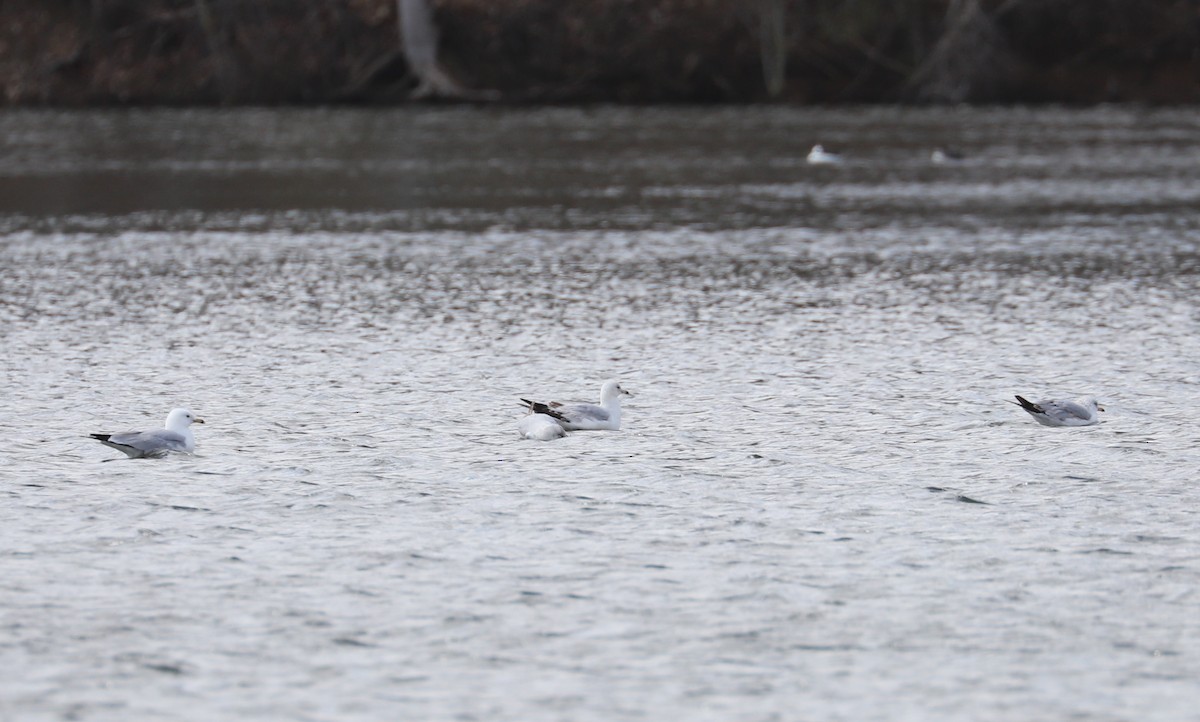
(156, 444)
(819, 156)
(540, 427)
(585, 417)
(941, 156)
(1052, 412)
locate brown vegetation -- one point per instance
(78, 52)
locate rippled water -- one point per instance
(820, 505)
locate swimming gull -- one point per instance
(819, 156)
(1053, 412)
(175, 437)
(942, 156)
(540, 427)
(585, 417)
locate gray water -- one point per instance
(820, 505)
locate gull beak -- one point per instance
(626, 392)
(1099, 408)
(197, 421)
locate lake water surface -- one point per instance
(820, 505)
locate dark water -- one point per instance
(783, 528)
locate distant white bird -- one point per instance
(540, 427)
(1052, 412)
(942, 156)
(176, 437)
(585, 417)
(819, 156)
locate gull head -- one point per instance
(611, 391)
(1094, 403)
(818, 154)
(180, 419)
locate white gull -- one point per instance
(585, 417)
(1053, 412)
(176, 437)
(819, 156)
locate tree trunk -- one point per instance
(223, 67)
(420, 38)
(772, 41)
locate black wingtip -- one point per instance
(538, 407)
(1028, 405)
(100, 437)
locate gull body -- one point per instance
(1054, 412)
(176, 436)
(540, 427)
(585, 417)
(819, 156)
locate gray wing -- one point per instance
(583, 412)
(151, 443)
(1066, 410)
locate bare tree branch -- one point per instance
(969, 52)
